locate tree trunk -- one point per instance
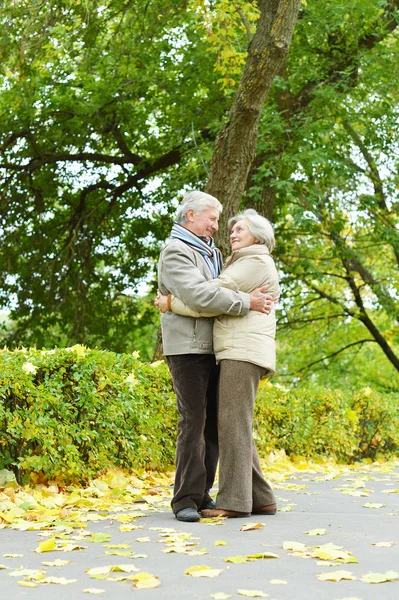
(235, 145)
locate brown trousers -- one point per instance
(195, 380)
(241, 484)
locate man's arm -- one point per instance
(181, 277)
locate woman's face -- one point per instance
(240, 236)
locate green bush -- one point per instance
(68, 414)
(330, 423)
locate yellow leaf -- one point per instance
(58, 580)
(147, 582)
(2, 567)
(207, 573)
(278, 581)
(220, 543)
(28, 584)
(373, 505)
(28, 367)
(94, 591)
(383, 544)
(316, 532)
(380, 577)
(295, 546)
(336, 576)
(221, 596)
(55, 563)
(143, 539)
(195, 568)
(132, 379)
(121, 546)
(252, 593)
(46, 546)
(250, 526)
(262, 555)
(237, 560)
(12, 555)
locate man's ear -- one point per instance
(190, 215)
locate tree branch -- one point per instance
(334, 354)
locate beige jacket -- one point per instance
(250, 338)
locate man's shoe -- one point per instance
(271, 509)
(220, 512)
(209, 505)
(188, 515)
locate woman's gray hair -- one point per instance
(259, 226)
(197, 201)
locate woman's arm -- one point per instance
(171, 302)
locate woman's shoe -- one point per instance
(220, 512)
(271, 509)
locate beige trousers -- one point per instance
(241, 484)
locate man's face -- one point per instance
(204, 223)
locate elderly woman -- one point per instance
(245, 349)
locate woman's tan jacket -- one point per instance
(250, 338)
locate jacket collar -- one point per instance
(255, 249)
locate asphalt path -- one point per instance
(307, 501)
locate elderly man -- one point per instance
(188, 260)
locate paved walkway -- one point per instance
(358, 509)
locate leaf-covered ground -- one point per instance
(335, 536)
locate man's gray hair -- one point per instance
(197, 201)
(259, 226)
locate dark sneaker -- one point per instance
(210, 505)
(189, 515)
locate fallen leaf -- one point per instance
(335, 576)
(143, 539)
(262, 555)
(383, 544)
(252, 593)
(380, 577)
(28, 584)
(220, 543)
(144, 581)
(207, 573)
(203, 571)
(237, 560)
(12, 555)
(251, 526)
(57, 580)
(278, 581)
(373, 505)
(221, 596)
(94, 591)
(315, 532)
(55, 563)
(46, 546)
(295, 546)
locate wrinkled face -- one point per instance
(204, 223)
(240, 236)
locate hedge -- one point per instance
(68, 414)
(347, 427)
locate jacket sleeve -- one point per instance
(181, 277)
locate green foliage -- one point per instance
(331, 423)
(71, 413)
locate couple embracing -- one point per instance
(218, 330)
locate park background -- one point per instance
(110, 111)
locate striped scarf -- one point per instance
(211, 254)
